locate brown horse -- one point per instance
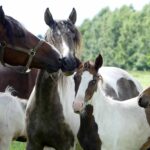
(20, 47)
(16, 43)
(46, 124)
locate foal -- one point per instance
(46, 125)
(121, 125)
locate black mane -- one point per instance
(14, 29)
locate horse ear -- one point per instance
(49, 18)
(98, 62)
(2, 15)
(73, 16)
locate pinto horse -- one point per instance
(46, 125)
(122, 125)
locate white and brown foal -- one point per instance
(121, 125)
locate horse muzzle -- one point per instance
(143, 103)
(69, 64)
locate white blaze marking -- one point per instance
(65, 48)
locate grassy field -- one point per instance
(144, 79)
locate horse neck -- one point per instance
(46, 92)
(67, 94)
(102, 103)
(66, 88)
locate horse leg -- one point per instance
(34, 146)
(5, 143)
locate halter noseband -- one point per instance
(30, 52)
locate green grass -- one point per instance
(142, 76)
(17, 146)
(21, 146)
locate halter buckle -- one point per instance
(32, 52)
(3, 43)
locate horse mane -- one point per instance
(10, 90)
(14, 29)
(73, 28)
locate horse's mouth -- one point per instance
(77, 112)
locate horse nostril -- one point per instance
(65, 61)
(139, 102)
(60, 62)
(143, 103)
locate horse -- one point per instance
(12, 119)
(122, 125)
(45, 123)
(14, 38)
(18, 46)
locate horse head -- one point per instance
(86, 83)
(65, 37)
(18, 46)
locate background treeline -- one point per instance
(122, 37)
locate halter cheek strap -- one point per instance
(30, 52)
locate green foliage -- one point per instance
(122, 37)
